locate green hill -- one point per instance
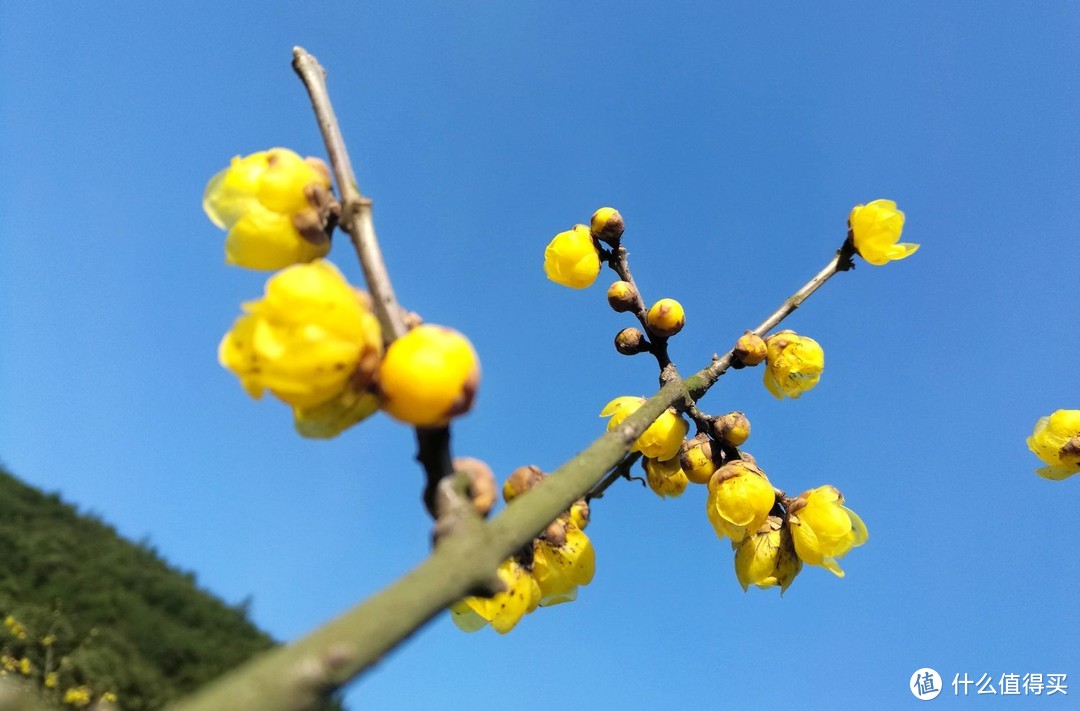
(88, 614)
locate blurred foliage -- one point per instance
(88, 615)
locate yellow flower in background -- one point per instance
(823, 529)
(661, 440)
(308, 340)
(766, 558)
(1056, 441)
(78, 696)
(571, 258)
(505, 609)
(428, 376)
(560, 566)
(665, 478)
(793, 364)
(740, 498)
(256, 199)
(51, 680)
(875, 231)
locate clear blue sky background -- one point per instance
(734, 140)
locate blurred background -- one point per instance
(734, 140)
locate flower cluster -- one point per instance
(548, 572)
(313, 340)
(1056, 441)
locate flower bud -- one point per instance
(579, 513)
(607, 225)
(555, 533)
(428, 376)
(622, 296)
(793, 364)
(571, 258)
(482, 487)
(750, 349)
(665, 478)
(666, 318)
(696, 459)
(630, 341)
(732, 429)
(521, 480)
(740, 499)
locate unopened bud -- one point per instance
(555, 533)
(631, 341)
(579, 513)
(622, 296)
(607, 225)
(732, 429)
(666, 318)
(521, 480)
(482, 487)
(696, 459)
(750, 349)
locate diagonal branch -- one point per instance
(293, 677)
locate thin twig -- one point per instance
(618, 261)
(286, 678)
(620, 471)
(355, 208)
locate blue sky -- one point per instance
(734, 139)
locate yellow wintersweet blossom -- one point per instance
(665, 478)
(823, 529)
(663, 437)
(505, 609)
(571, 258)
(78, 696)
(428, 376)
(562, 564)
(793, 364)
(51, 680)
(740, 498)
(260, 199)
(875, 230)
(310, 340)
(766, 558)
(666, 317)
(1056, 441)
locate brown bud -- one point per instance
(555, 533)
(622, 296)
(411, 319)
(482, 487)
(630, 341)
(732, 429)
(750, 349)
(607, 225)
(521, 480)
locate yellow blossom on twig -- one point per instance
(875, 230)
(1056, 441)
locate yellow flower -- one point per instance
(78, 696)
(571, 259)
(1056, 441)
(665, 478)
(505, 609)
(310, 340)
(25, 667)
(740, 498)
(793, 364)
(256, 199)
(823, 529)
(607, 225)
(561, 565)
(109, 696)
(767, 557)
(666, 318)
(663, 437)
(875, 230)
(51, 680)
(696, 459)
(428, 376)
